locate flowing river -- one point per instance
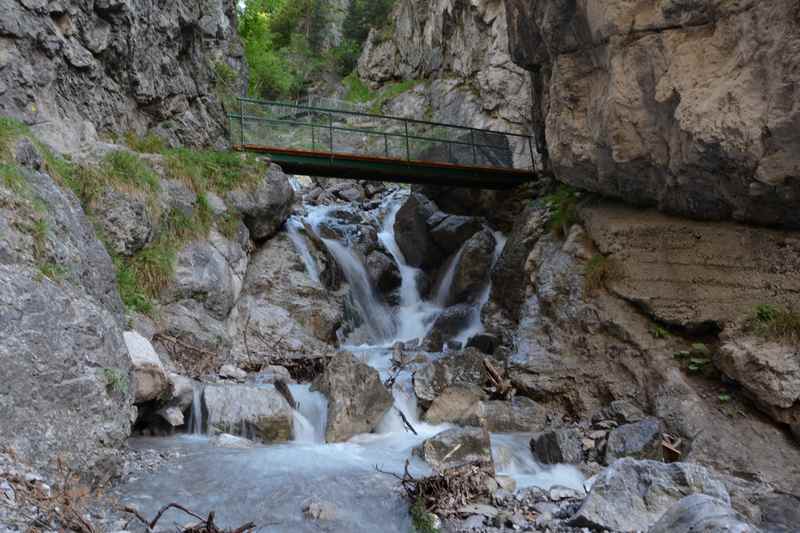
(270, 485)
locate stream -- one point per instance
(271, 484)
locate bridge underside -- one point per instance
(325, 164)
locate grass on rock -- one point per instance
(600, 271)
(776, 323)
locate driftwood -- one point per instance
(408, 425)
(500, 387)
(206, 525)
(283, 388)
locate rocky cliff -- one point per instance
(688, 106)
(71, 69)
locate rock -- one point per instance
(558, 446)
(383, 271)
(98, 90)
(226, 440)
(641, 440)
(352, 193)
(461, 368)
(125, 221)
(621, 411)
(472, 270)
(458, 447)
(267, 207)
(632, 495)
(452, 320)
(322, 511)
(769, 371)
(780, 513)
(189, 333)
(459, 405)
(518, 415)
(653, 116)
(357, 399)
(685, 288)
(558, 493)
(412, 233)
(452, 231)
(172, 415)
(232, 372)
(260, 413)
(700, 512)
(271, 374)
(150, 381)
(484, 342)
(27, 155)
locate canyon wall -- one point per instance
(73, 68)
(693, 107)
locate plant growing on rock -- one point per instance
(116, 380)
(776, 323)
(599, 271)
(563, 206)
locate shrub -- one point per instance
(599, 271)
(563, 205)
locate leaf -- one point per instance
(724, 397)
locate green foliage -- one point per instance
(229, 225)
(39, 232)
(116, 380)
(363, 15)
(563, 205)
(132, 294)
(391, 91)
(53, 271)
(697, 359)
(146, 144)
(724, 397)
(599, 271)
(215, 171)
(357, 90)
(776, 323)
(10, 130)
(127, 168)
(345, 56)
(12, 177)
(659, 332)
(226, 82)
(421, 518)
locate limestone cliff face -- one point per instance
(693, 107)
(461, 47)
(72, 68)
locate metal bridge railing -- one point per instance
(297, 127)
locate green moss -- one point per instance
(215, 171)
(563, 205)
(116, 380)
(776, 323)
(391, 91)
(357, 90)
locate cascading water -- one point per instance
(195, 424)
(236, 483)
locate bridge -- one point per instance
(346, 143)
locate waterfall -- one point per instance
(311, 415)
(443, 292)
(293, 227)
(196, 416)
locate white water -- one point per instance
(271, 483)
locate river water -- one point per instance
(271, 485)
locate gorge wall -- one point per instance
(70, 69)
(688, 106)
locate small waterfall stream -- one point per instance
(238, 483)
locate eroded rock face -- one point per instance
(126, 221)
(266, 207)
(632, 495)
(680, 105)
(258, 413)
(75, 67)
(357, 399)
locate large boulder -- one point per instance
(459, 404)
(700, 512)
(125, 221)
(412, 233)
(653, 104)
(266, 207)
(258, 413)
(357, 399)
(458, 447)
(518, 415)
(458, 368)
(383, 271)
(452, 231)
(640, 440)
(558, 446)
(633, 495)
(472, 271)
(150, 380)
(768, 370)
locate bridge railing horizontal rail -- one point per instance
(292, 126)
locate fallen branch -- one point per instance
(283, 388)
(206, 525)
(503, 388)
(408, 425)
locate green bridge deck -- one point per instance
(328, 142)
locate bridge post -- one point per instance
(386, 145)
(241, 119)
(330, 127)
(474, 149)
(408, 143)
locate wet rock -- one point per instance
(458, 447)
(352, 193)
(633, 495)
(700, 512)
(472, 270)
(322, 511)
(769, 371)
(150, 381)
(484, 342)
(641, 440)
(271, 374)
(461, 368)
(558, 446)
(172, 415)
(357, 399)
(458, 404)
(452, 231)
(226, 440)
(383, 271)
(267, 207)
(232, 372)
(518, 415)
(453, 320)
(412, 233)
(259, 413)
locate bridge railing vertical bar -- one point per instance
(408, 142)
(330, 129)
